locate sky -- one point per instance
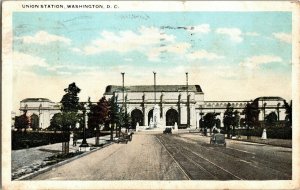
(231, 55)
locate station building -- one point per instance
(41, 109)
(180, 104)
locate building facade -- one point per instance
(177, 103)
(41, 109)
(180, 104)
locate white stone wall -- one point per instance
(170, 101)
(44, 109)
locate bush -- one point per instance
(272, 132)
(28, 139)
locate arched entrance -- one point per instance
(150, 116)
(171, 117)
(136, 117)
(34, 121)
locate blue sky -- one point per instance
(229, 51)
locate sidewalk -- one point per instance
(273, 142)
(25, 161)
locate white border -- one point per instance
(10, 6)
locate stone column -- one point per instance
(145, 118)
(143, 110)
(197, 119)
(179, 110)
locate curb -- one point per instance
(43, 170)
(277, 145)
(261, 143)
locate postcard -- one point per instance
(150, 95)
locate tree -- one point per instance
(271, 119)
(98, 115)
(210, 120)
(56, 122)
(70, 101)
(288, 112)
(124, 120)
(22, 121)
(251, 113)
(114, 114)
(69, 109)
(231, 119)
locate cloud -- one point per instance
(22, 60)
(203, 54)
(176, 48)
(43, 37)
(283, 37)
(77, 50)
(234, 34)
(251, 34)
(64, 73)
(126, 41)
(256, 61)
(24, 63)
(199, 29)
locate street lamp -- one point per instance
(154, 109)
(40, 124)
(187, 99)
(84, 145)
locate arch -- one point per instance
(168, 108)
(171, 117)
(34, 120)
(136, 117)
(131, 109)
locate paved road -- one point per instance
(178, 157)
(144, 158)
(238, 161)
(25, 158)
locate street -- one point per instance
(238, 161)
(178, 157)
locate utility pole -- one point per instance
(154, 87)
(123, 103)
(154, 109)
(187, 99)
(123, 89)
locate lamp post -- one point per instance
(123, 102)
(123, 88)
(201, 115)
(40, 124)
(154, 109)
(84, 145)
(154, 73)
(187, 99)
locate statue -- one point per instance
(151, 123)
(175, 126)
(156, 115)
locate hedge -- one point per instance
(33, 139)
(29, 139)
(272, 132)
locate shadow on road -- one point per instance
(49, 150)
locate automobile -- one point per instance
(218, 139)
(167, 130)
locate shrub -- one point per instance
(272, 132)
(22, 140)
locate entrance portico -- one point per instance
(172, 103)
